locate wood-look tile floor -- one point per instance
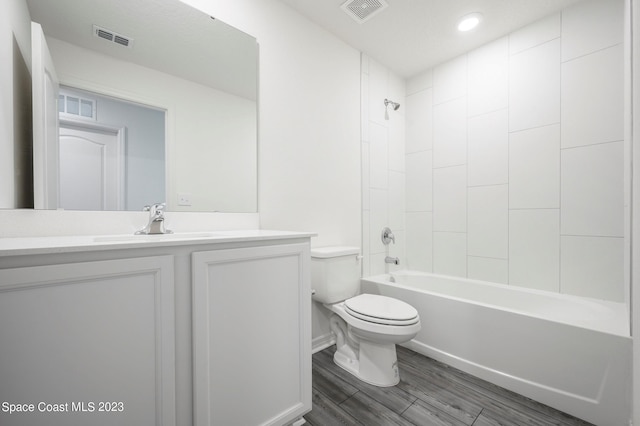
(429, 393)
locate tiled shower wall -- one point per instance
(515, 159)
(383, 166)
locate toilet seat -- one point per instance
(381, 310)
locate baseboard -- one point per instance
(322, 342)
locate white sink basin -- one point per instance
(154, 237)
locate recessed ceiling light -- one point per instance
(469, 22)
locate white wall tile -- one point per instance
(396, 200)
(488, 269)
(383, 164)
(450, 80)
(377, 91)
(450, 253)
(378, 219)
(534, 87)
(450, 133)
(419, 246)
(364, 100)
(450, 199)
(488, 149)
(592, 198)
(488, 221)
(593, 98)
(419, 180)
(364, 63)
(419, 121)
(378, 156)
(366, 240)
(534, 248)
(590, 26)
(593, 267)
(534, 168)
(365, 175)
(396, 91)
(488, 77)
(420, 82)
(396, 148)
(376, 264)
(535, 34)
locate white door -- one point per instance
(91, 169)
(45, 122)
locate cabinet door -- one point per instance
(88, 343)
(252, 335)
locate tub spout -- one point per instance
(392, 260)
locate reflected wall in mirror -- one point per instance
(199, 73)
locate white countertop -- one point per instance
(68, 244)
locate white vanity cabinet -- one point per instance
(252, 335)
(88, 343)
(210, 330)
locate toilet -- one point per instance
(367, 326)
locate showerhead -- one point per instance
(395, 106)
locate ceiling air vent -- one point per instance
(112, 36)
(363, 10)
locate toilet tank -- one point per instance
(335, 273)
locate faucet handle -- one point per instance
(387, 236)
(154, 207)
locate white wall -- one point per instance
(383, 167)
(515, 158)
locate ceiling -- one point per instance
(410, 36)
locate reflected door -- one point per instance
(45, 122)
(91, 169)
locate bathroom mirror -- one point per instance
(197, 72)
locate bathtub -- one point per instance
(571, 353)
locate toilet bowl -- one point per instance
(367, 326)
(366, 338)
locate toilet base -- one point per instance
(376, 364)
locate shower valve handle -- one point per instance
(387, 236)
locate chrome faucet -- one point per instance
(387, 236)
(392, 260)
(156, 220)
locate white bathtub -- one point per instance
(569, 352)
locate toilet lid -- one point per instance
(381, 310)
